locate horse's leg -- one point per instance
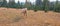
(25, 13)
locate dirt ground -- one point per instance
(14, 17)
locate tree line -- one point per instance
(46, 5)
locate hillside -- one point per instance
(14, 17)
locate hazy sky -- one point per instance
(32, 0)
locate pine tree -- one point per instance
(12, 4)
(45, 5)
(57, 6)
(18, 4)
(4, 3)
(38, 2)
(27, 4)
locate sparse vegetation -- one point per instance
(16, 19)
(12, 17)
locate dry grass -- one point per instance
(39, 18)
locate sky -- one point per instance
(31, 0)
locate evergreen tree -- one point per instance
(38, 2)
(4, 3)
(57, 7)
(18, 4)
(27, 4)
(45, 5)
(12, 4)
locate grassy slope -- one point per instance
(33, 18)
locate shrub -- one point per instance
(35, 10)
